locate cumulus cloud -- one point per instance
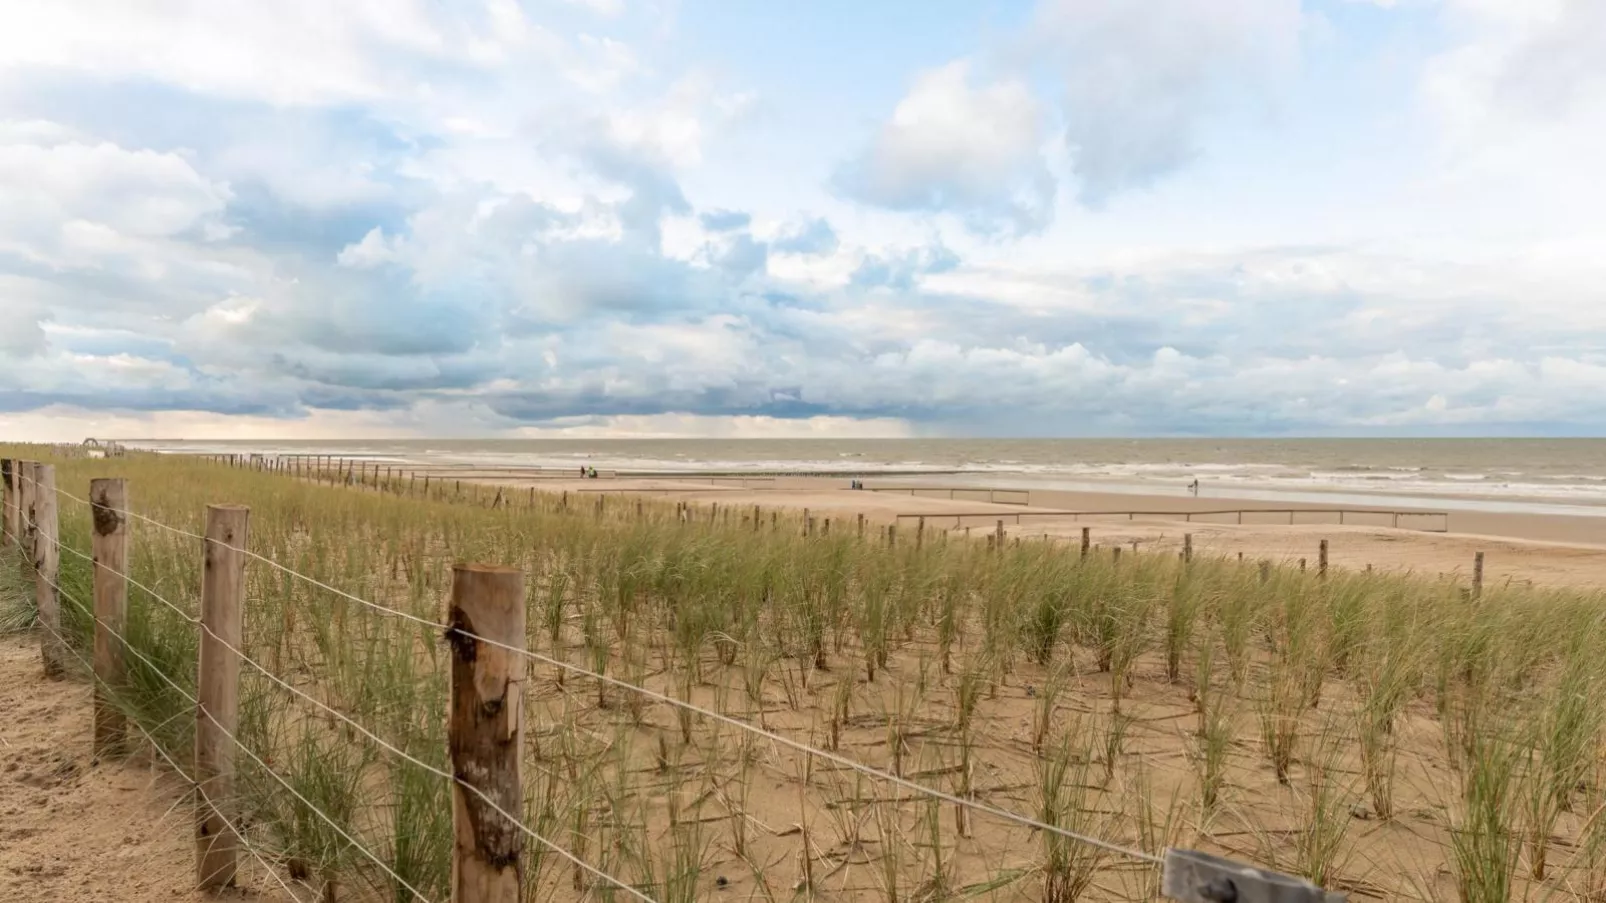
(814, 237)
(952, 145)
(724, 220)
(1139, 79)
(440, 227)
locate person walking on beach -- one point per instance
(1194, 487)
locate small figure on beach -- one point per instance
(1194, 487)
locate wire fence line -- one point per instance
(449, 631)
(155, 745)
(341, 716)
(578, 670)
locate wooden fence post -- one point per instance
(861, 524)
(8, 519)
(218, 682)
(1321, 559)
(1087, 540)
(22, 475)
(1187, 547)
(920, 532)
(1477, 575)
(109, 503)
(485, 725)
(47, 569)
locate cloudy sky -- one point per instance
(644, 217)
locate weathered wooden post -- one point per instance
(1115, 554)
(8, 516)
(1187, 547)
(1477, 575)
(892, 535)
(1087, 540)
(920, 531)
(861, 524)
(485, 727)
(47, 568)
(1321, 559)
(218, 718)
(22, 475)
(1000, 529)
(108, 501)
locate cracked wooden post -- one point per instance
(1321, 559)
(218, 719)
(1087, 540)
(485, 724)
(1187, 547)
(46, 570)
(1477, 575)
(109, 503)
(920, 532)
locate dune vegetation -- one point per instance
(1390, 736)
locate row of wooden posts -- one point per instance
(338, 470)
(485, 721)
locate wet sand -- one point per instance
(1536, 549)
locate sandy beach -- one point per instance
(1537, 549)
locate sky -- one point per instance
(394, 218)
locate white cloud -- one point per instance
(952, 145)
(375, 248)
(1140, 79)
(609, 8)
(139, 193)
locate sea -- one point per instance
(1538, 475)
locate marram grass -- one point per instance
(1381, 733)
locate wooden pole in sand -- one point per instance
(861, 524)
(1087, 540)
(1477, 575)
(22, 475)
(46, 569)
(1000, 529)
(8, 517)
(218, 717)
(920, 532)
(1321, 559)
(485, 727)
(1187, 547)
(108, 501)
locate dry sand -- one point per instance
(74, 829)
(1543, 550)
